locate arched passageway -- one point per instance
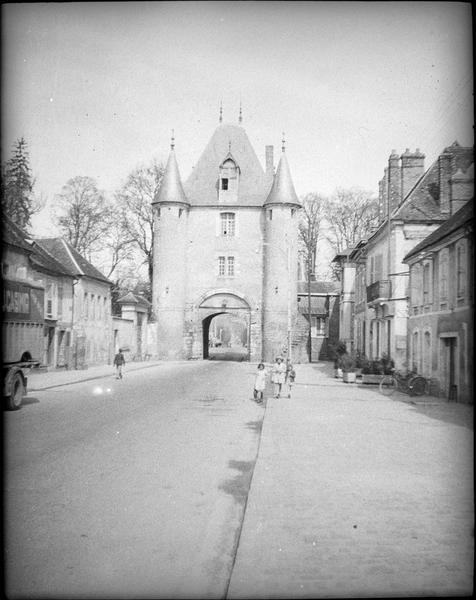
(226, 337)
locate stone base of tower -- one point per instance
(170, 337)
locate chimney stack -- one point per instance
(394, 194)
(269, 162)
(412, 168)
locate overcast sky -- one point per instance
(96, 88)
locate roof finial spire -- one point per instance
(172, 140)
(283, 141)
(229, 146)
(221, 112)
(240, 118)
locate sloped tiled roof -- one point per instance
(74, 263)
(342, 254)
(319, 305)
(459, 219)
(131, 298)
(319, 287)
(201, 185)
(423, 201)
(43, 260)
(14, 236)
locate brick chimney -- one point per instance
(445, 164)
(394, 180)
(412, 168)
(269, 162)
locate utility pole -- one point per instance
(309, 257)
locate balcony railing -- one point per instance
(379, 291)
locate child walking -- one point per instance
(278, 375)
(260, 383)
(119, 361)
(290, 376)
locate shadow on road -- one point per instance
(456, 414)
(239, 485)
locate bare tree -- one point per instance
(310, 229)
(83, 215)
(350, 215)
(118, 247)
(134, 200)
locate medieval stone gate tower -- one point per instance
(226, 242)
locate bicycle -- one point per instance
(411, 384)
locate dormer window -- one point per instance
(229, 174)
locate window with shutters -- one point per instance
(443, 276)
(415, 290)
(426, 283)
(461, 269)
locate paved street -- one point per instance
(151, 489)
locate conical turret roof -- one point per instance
(227, 140)
(171, 189)
(282, 190)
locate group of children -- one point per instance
(281, 374)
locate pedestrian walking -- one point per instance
(290, 376)
(260, 383)
(119, 362)
(278, 376)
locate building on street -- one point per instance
(226, 244)
(441, 304)
(92, 342)
(413, 203)
(324, 296)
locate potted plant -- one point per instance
(376, 369)
(349, 368)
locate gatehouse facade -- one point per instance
(226, 243)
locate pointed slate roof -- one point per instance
(282, 190)
(71, 259)
(201, 187)
(171, 189)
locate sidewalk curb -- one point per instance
(103, 376)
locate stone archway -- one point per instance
(218, 303)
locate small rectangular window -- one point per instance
(224, 184)
(221, 266)
(231, 266)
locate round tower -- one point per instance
(171, 209)
(280, 257)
